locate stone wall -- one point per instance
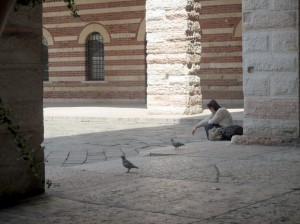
(21, 93)
(271, 68)
(173, 57)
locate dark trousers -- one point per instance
(207, 127)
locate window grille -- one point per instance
(45, 59)
(95, 57)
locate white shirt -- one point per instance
(222, 117)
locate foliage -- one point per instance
(20, 140)
(49, 183)
(72, 8)
(29, 2)
(69, 3)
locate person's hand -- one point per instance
(194, 130)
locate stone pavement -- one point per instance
(202, 182)
(80, 134)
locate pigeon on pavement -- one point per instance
(176, 144)
(127, 164)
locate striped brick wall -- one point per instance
(121, 23)
(221, 57)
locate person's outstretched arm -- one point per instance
(202, 123)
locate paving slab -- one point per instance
(202, 182)
(258, 186)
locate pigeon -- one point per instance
(176, 144)
(127, 164)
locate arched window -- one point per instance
(45, 59)
(95, 57)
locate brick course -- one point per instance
(122, 25)
(218, 22)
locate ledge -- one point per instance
(267, 140)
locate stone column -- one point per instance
(173, 57)
(5, 8)
(271, 70)
(21, 168)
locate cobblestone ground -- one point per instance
(204, 182)
(73, 142)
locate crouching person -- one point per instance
(219, 117)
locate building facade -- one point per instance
(127, 57)
(99, 57)
(221, 72)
